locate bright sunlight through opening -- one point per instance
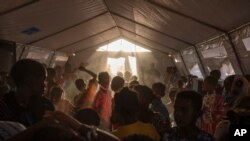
(122, 45)
(115, 65)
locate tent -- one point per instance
(188, 34)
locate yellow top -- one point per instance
(138, 128)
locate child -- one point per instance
(187, 110)
(157, 105)
(59, 102)
(212, 105)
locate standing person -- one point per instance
(170, 105)
(117, 84)
(27, 105)
(127, 76)
(146, 115)
(59, 102)
(51, 82)
(127, 108)
(85, 97)
(59, 75)
(79, 99)
(103, 100)
(157, 104)
(212, 105)
(187, 109)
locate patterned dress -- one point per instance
(212, 112)
(103, 105)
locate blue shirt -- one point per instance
(159, 107)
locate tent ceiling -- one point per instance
(165, 25)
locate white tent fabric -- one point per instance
(169, 26)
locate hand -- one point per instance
(82, 68)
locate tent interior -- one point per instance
(194, 36)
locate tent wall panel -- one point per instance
(149, 33)
(241, 39)
(180, 64)
(78, 33)
(48, 16)
(224, 14)
(58, 59)
(92, 41)
(192, 62)
(218, 54)
(39, 54)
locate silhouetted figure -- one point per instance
(51, 82)
(88, 116)
(212, 105)
(86, 95)
(216, 74)
(126, 109)
(59, 102)
(117, 84)
(187, 106)
(146, 115)
(157, 104)
(27, 105)
(127, 76)
(103, 100)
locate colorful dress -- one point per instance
(103, 105)
(212, 112)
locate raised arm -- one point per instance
(94, 76)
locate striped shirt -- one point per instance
(9, 129)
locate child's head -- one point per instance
(209, 84)
(80, 85)
(216, 74)
(133, 83)
(187, 108)
(29, 74)
(117, 83)
(145, 95)
(88, 116)
(159, 89)
(56, 94)
(126, 103)
(181, 84)
(103, 79)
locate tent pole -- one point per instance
(20, 57)
(200, 60)
(50, 61)
(185, 65)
